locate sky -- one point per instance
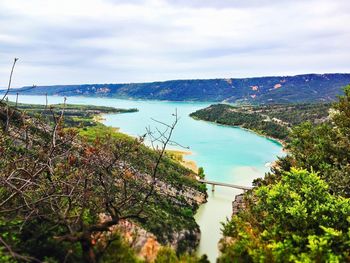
(123, 41)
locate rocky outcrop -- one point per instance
(179, 194)
(186, 239)
(189, 195)
(144, 243)
(238, 204)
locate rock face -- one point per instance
(189, 195)
(144, 243)
(238, 204)
(147, 244)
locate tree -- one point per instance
(325, 148)
(167, 255)
(77, 191)
(296, 219)
(201, 172)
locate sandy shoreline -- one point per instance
(181, 155)
(99, 118)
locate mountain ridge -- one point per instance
(256, 90)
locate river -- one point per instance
(227, 154)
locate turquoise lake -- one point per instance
(227, 154)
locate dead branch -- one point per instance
(10, 79)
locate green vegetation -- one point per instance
(163, 217)
(175, 155)
(167, 255)
(119, 251)
(74, 114)
(300, 211)
(63, 189)
(201, 173)
(271, 120)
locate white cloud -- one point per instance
(99, 41)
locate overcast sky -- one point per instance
(112, 41)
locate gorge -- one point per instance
(227, 154)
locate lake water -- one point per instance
(227, 154)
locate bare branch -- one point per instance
(16, 255)
(10, 79)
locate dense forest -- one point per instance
(271, 120)
(88, 193)
(259, 90)
(300, 211)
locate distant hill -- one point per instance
(271, 120)
(300, 88)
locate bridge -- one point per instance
(213, 183)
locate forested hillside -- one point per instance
(74, 115)
(284, 89)
(273, 120)
(300, 211)
(89, 194)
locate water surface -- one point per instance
(228, 154)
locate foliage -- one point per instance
(65, 190)
(173, 172)
(167, 255)
(271, 120)
(74, 115)
(159, 220)
(296, 219)
(325, 148)
(125, 253)
(300, 211)
(201, 173)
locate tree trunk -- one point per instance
(88, 251)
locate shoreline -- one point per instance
(120, 98)
(99, 118)
(180, 156)
(279, 141)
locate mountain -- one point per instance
(283, 89)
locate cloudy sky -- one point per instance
(111, 41)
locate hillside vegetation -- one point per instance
(74, 115)
(283, 89)
(300, 211)
(271, 120)
(75, 194)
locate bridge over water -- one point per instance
(213, 184)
